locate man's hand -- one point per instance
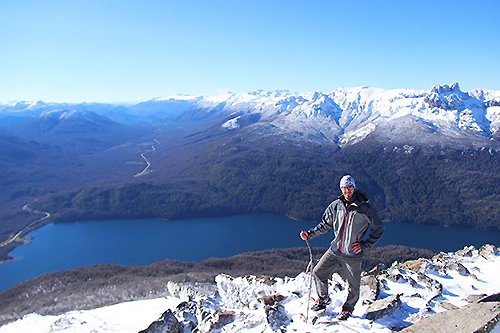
(356, 247)
(304, 235)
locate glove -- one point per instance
(356, 247)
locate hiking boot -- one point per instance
(344, 315)
(320, 304)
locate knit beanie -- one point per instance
(347, 180)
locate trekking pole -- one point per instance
(309, 269)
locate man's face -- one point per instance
(347, 191)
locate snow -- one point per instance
(493, 115)
(231, 123)
(348, 115)
(408, 149)
(178, 98)
(124, 317)
(343, 116)
(357, 135)
(220, 98)
(16, 106)
(446, 278)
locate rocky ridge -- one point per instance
(456, 292)
(392, 299)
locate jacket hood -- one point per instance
(359, 197)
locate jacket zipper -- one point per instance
(343, 227)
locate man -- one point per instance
(350, 217)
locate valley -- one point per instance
(427, 157)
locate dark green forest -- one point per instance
(426, 186)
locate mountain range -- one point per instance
(424, 156)
(343, 116)
(347, 116)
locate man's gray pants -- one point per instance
(347, 268)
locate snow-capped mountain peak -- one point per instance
(449, 110)
(68, 114)
(447, 89)
(348, 115)
(177, 98)
(342, 116)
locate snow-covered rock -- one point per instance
(383, 307)
(408, 293)
(167, 323)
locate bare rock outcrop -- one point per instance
(475, 317)
(488, 251)
(372, 284)
(276, 315)
(168, 323)
(383, 307)
(417, 266)
(217, 321)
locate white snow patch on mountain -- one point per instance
(177, 98)
(231, 123)
(60, 114)
(493, 115)
(357, 135)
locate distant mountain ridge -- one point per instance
(347, 115)
(343, 116)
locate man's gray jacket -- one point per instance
(350, 221)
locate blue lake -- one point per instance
(144, 241)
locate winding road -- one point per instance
(147, 170)
(29, 227)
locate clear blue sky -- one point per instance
(127, 51)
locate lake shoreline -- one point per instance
(6, 250)
(40, 223)
(92, 242)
